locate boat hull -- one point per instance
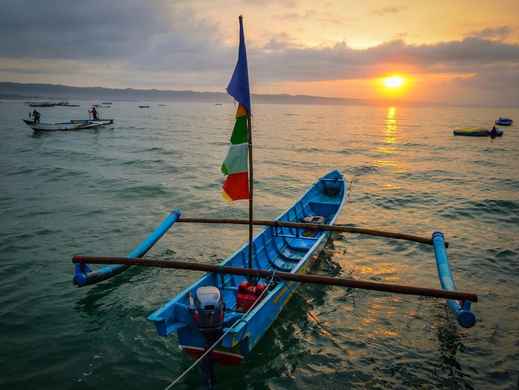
(504, 122)
(476, 133)
(275, 248)
(101, 122)
(66, 126)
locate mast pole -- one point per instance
(251, 188)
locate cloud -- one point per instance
(388, 11)
(88, 29)
(497, 33)
(167, 44)
(340, 62)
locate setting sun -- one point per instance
(393, 82)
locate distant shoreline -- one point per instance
(25, 91)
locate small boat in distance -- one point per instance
(504, 121)
(476, 132)
(144, 106)
(64, 126)
(42, 104)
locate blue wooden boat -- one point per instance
(504, 121)
(275, 249)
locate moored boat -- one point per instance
(504, 121)
(476, 132)
(65, 126)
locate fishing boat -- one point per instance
(144, 106)
(476, 132)
(504, 121)
(65, 126)
(275, 249)
(42, 104)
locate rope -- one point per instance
(215, 344)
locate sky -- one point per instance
(461, 52)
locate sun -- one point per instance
(394, 82)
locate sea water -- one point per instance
(100, 192)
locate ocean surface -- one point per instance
(102, 191)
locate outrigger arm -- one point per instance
(458, 302)
(83, 274)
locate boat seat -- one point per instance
(282, 265)
(323, 207)
(301, 244)
(289, 255)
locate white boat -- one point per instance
(65, 126)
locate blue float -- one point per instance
(461, 310)
(83, 274)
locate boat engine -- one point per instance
(209, 312)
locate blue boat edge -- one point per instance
(462, 310)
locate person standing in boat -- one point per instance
(35, 116)
(493, 132)
(94, 113)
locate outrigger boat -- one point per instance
(65, 126)
(223, 315)
(504, 121)
(277, 249)
(77, 124)
(476, 132)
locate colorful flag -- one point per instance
(235, 165)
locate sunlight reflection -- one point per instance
(391, 126)
(390, 138)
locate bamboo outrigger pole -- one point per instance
(313, 226)
(303, 278)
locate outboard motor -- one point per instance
(209, 312)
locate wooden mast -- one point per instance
(251, 189)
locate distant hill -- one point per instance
(9, 90)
